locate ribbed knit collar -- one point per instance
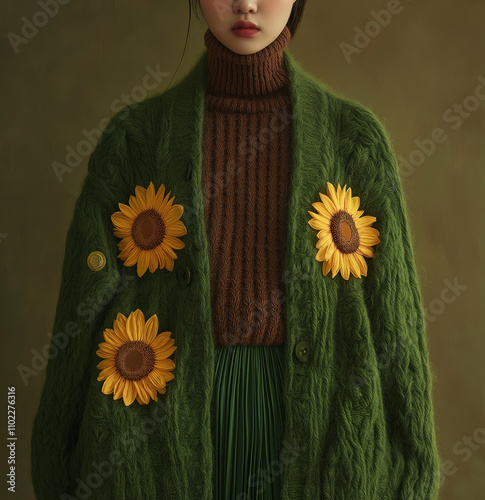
(246, 82)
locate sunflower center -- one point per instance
(344, 232)
(135, 360)
(148, 229)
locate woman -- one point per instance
(298, 365)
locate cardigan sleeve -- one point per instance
(83, 299)
(397, 320)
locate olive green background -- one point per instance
(414, 74)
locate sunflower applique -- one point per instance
(135, 364)
(150, 227)
(344, 237)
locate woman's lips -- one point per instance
(244, 24)
(245, 31)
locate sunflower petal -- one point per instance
(119, 387)
(335, 263)
(159, 198)
(169, 264)
(367, 251)
(151, 329)
(121, 221)
(327, 265)
(159, 341)
(106, 363)
(140, 193)
(332, 194)
(136, 204)
(112, 338)
(174, 214)
(131, 325)
(354, 267)
(106, 353)
(339, 197)
(347, 200)
(365, 221)
(128, 211)
(165, 364)
(174, 242)
(329, 204)
(150, 196)
(152, 261)
(109, 383)
(176, 229)
(156, 379)
(345, 269)
(129, 393)
(134, 256)
(142, 263)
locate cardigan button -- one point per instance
(96, 260)
(184, 275)
(303, 351)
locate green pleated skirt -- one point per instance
(247, 422)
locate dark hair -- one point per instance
(293, 22)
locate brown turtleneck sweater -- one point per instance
(246, 163)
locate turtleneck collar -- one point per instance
(246, 82)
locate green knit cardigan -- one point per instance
(359, 411)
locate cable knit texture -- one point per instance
(245, 178)
(359, 413)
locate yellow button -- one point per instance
(96, 260)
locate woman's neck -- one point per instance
(243, 77)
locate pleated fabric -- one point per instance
(247, 422)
